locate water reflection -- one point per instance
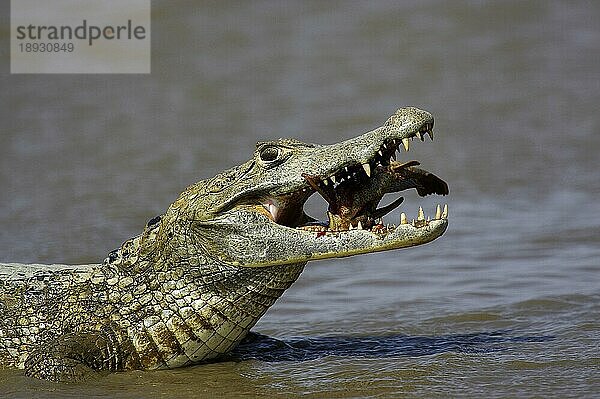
(268, 349)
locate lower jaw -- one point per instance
(376, 226)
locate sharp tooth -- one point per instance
(421, 216)
(430, 132)
(403, 218)
(420, 136)
(359, 225)
(273, 210)
(438, 212)
(351, 227)
(346, 169)
(332, 221)
(445, 212)
(380, 153)
(384, 146)
(332, 178)
(367, 168)
(325, 181)
(406, 143)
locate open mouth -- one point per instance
(353, 192)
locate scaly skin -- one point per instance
(194, 282)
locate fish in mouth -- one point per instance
(353, 202)
(353, 192)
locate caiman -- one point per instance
(193, 283)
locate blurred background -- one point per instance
(514, 86)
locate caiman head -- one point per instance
(252, 215)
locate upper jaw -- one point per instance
(360, 155)
(378, 153)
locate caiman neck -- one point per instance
(163, 258)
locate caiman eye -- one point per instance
(269, 154)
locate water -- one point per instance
(505, 304)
